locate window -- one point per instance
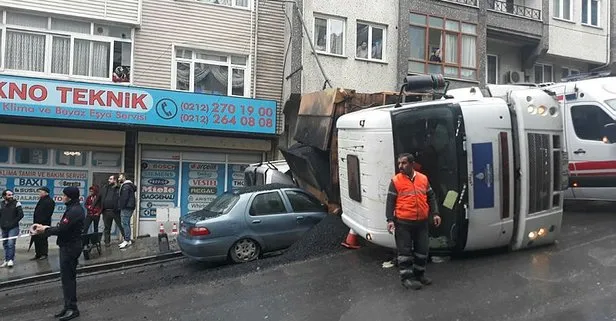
(4, 154)
(71, 157)
(230, 3)
(354, 176)
(443, 46)
(590, 12)
(48, 45)
(370, 42)
(329, 35)
(566, 72)
(32, 156)
(562, 9)
(543, 73)
(588, 121)
(302, 203)
(492, 70)
(267, 204)
(210, 73)
(106, 159)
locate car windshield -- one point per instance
(219, 206)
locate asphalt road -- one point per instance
(573, 280)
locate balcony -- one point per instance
(472, 3)
(509, 7)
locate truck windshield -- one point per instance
(434, 135)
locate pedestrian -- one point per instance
(93, 210)
(411, 205)
(42, 215)
(126, 204)
(68, 231)
(108, 203)
(11, 214)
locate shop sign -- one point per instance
(25, 183)
(54, 99)
(235, 176)
(202, 182)
(158, 186)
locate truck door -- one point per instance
(592, 161)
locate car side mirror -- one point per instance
(609, 133)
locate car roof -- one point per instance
(262, 188)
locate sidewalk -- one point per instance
(142, 250)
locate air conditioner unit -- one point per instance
(514, 77)
(101, 31)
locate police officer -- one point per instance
(69, 240)
(411, 204)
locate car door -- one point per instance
(269, 218)
(592, 161)
(307, 209)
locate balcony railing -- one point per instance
(466, 2)
(514, 9)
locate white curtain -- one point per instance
(469, 54)
(25, 51)
(211, 79)
(98, 66)
(100, 59)
(81, 57)
(60, 55)
(451, 48)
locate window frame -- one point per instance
(543, 65)
(589, 13)
(559, 15)
(355, 190)
(311, 198)
(569, 72)
(191, 61)
(254, 197)
(328, 33)
(50, 34)
(371, 26)
(587, 105)
(488, 69)
(443, 64)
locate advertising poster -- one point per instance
(202, 182)
(25, 182)
(55, 99)
(235, 178)
(159, 186)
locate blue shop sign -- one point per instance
(44, 98)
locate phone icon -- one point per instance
(166, 108)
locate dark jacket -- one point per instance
(70, 226)
(10, 214)
(108, 199)
(127, 196)
(44, 210)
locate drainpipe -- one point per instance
(610, 41)
(256, 33)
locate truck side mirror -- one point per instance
(609, 132)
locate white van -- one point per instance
(589, 106)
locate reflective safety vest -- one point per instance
(412, 199)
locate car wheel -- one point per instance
(244, 250)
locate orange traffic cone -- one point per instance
(351, 241)
(161, 229)
(174, 230)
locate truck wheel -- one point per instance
(244, 250)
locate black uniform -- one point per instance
(42, 215)
(108, 202)
(69, 240)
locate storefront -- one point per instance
(185, 169)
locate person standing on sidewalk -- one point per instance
(93, 210)
(108, 202)
(126, 204)
(42, 215)
(411, 204)
(10, 215)
(69, 231)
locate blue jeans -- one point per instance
(9, 245)
(125, 216)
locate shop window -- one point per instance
(543, 73)
(370, 42)
(588, 121)
(443, 46)
(303, 203)
(353, 174)
(48, 45)
(106, 159)
(329, 35)
(31, 156)
(65, 157)
(267, 204)
(211, 73)
(4, 154)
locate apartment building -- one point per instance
(179, 94)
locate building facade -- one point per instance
(93, 88)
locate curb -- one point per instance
(94, 268)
